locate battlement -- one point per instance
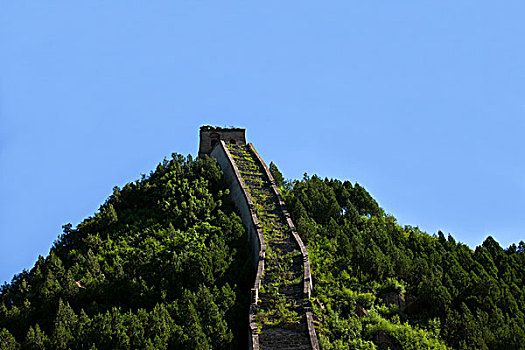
(210, 136)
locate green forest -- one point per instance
(165, 264)
(378, 284)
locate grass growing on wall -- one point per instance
(283, 264)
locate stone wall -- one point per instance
(307, 277)
(240, 196)
(243, 201)
(210, 136)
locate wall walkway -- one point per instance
(279, 316)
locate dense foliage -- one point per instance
(377, 284)
(163, 264)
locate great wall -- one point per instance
(279, 317)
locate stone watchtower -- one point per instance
(210, 135)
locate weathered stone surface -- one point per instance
(242, 199)
(279, 240)
(384, 341)
(408, 305)
(210, 136)
(283, 339)
(240, 196)
(394, 298)
(260, 204)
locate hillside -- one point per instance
(398, 287)
(165, 264)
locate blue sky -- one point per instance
(422, 103)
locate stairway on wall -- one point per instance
(280, 314)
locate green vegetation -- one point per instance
(163, 264)
(377, 284)
(276, 174)
(280, 295)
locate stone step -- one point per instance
(284, 339)
(285, 266)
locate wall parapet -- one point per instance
(307, 276)
(242, 199)
(240, 195)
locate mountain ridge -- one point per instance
(165, 263)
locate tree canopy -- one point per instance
(378, 284)
(164, 264)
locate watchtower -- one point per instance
(210, 135)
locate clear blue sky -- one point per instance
(421, 102)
